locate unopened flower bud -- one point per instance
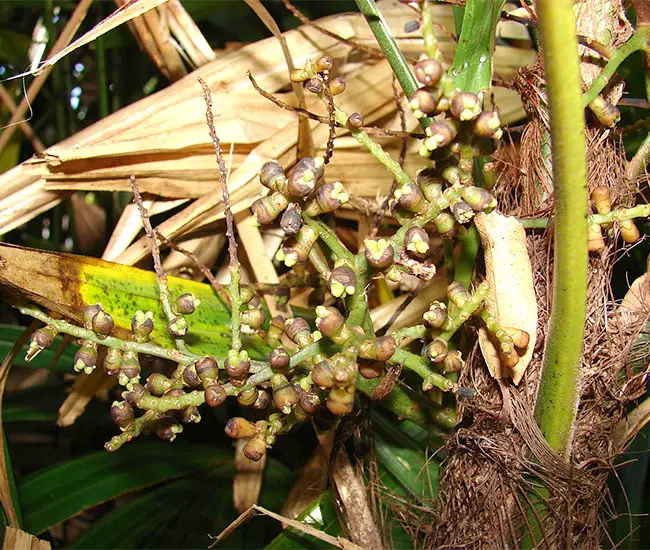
(410, 197)
(285, 395)
(299, 75)
(371, 370)
(215, 395)
(462, 211)
(40, 339)
(102, 324)
(355, 120)
(122, 414)
(340, 401)
(262, 401)
(440, 134)
(276, 328)
(520, 338)
(187, 303)
(323, 64)
(137, 392)
(417, 243)
(272, 176)
(177, 327)
(457, 293)
(112, 361)
(158, 383)
(247, 396)
(142, 325)
(602, 199)
(436, 315)
(266, 209)
(295, 250)
(279, 359)
(255, 449)
(237, 364)
(337, 85)
(437, 350)
(629, 231)
(423, 103)
(309, 402)
(314, 85)
(130, 370)
(428, 72)
(190, 377)
(305, 175)
(342, 280)
(207, 369)
(297, 330)
(89, 313)
(254, 318)
(411, 26)
(478, 198)
(453, 361)
(86, 357)
(379, 349)
(240, 428)
(379, 253)
(328, 198)
(488, 125)
(168, 428)
(465, 106)
(322, 375)
(430, 184)
(508, 357)
(445, 224)
(190, 414)
(606, 112)
(329, 320)
(595, 241)
(291, 220)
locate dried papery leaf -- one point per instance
(188, 35)
(337, 542)
(311, 482)
(512, 295)
(15, 539)
(83, 390)
(247, 481)
(206, 249)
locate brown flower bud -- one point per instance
(187, 303)
(122, 414)
(462, 211)
(190, 414)
(89, 313)
(285, 395)
(440, 134)
(86, 357)
(322, 375)
(323, 64)
(309, 402)
(445, 224)
(328, 198)
(272, 176)
(436, 316)
(297, 330)
(430, 184)
(254, 318)
(207, 369)
(423, 103)
(177, 327)
(411, 26)
(190, 377)
(40, 339)
(488, 125)
(299, 75)
(342, 280)
(142, 325)
(279, 359)
(266, 209)
(602, 199)
(508, 357)
(428, 72)
(478, 198)
(355, 120)
(595, 241)
(168, 428)
(629, 231)
(337, 85)
(130, 370)
(453, 361)
(371, 370)
(237, 365)
(158, 383)
(379, 349)
(262, 401)
(276, 328)
(520, 338)
(341, 401)
(291, 220)
(112, 361)
(457, 293)
(137, 392)
(329, 320)
(247, 396)
(417, 243)
(379, 253)
(437, 350)
(606, 112)
(215, 395)
(255, 449)
(305, 175)
(465, 106)
(410, 197)
(102, 324)
(314, 85)
(295, 250)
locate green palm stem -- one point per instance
(558, 394)
(619, 215)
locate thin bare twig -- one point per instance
(163, 286)
(234, 266)
(331, 123)
(373, 130)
